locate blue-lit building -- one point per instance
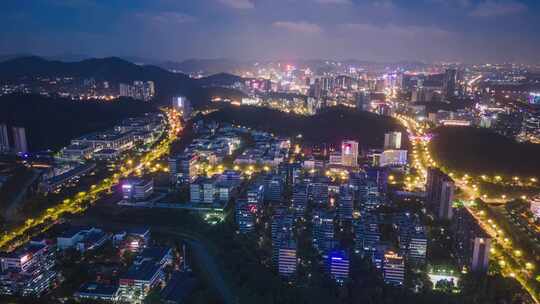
(345, 204)
(338, 265)
(273, 188)
(318, 190)
(323, 231)
(367, 233)
(245, 215)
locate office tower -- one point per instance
(300, 198)
(137, 189)
(203, 190)
(349, 153)
(4, 139)
(287, 260)
(338, 265)
(183, 106)
(450, 83)
(245, 216)
(362, 101)
(273, 188)
(412, 237)
(19, 140)
(255, 194)
(368, 196)
(367, 234)
(440, 193)
(345, 204)
(318, 190)
(141, 90)
(380, 176)
(393, 158)
(472, 244)
(183, 168)
(393, 269)
(281, 229)
(323, 230)
(392, 141)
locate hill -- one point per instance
(331, 126)
(53, 122)
(480, 151)
(117, 70)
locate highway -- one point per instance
(82, 200)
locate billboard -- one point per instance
(534, 98)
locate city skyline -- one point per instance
(379, 30)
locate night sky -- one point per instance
(376, 30)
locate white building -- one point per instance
(349, 153)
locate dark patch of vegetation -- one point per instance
(330, 126)
(480, 151)
(53, 122)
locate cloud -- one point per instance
(166, 17)
(492, 8)
(238, 4)
(298, 27)
(459, 3)
(72, 3)
(386, 4)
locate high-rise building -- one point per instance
(323, 231)
(393, 269)
(338, 265)
(19, 139)
(450, 83)
(273, 188)
(362, 101)
(141, 90)
(318, 190)
(245, 216)
(281, 229)
(367, 234)
(440, 193)
(183, 168)
(392, 141)
(287, 260)
(183, 106)
(471, 243)
(300, 198)
(255, 194)
(4, 139)
(349, 153)
(345, 204)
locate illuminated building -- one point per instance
(28, 270)
(345, 204)
(287, 260)
(245, 216)
(440, 193)
(338, 265)
(273, 188)
(393, 269)
(534, 98)
(367, 234)
(349, 153)
(141, 90)
(318, 190)
(19, 140)
(145, 274)
(137, 189)
(4, 139)
(393, 158)
(392, 141)
(323, 231)
(203, 190)
(369, 196)
(362, 101)
(183, 106)
(281, 229)
(300, 198)
(412, 238)
(450, 83)
(535, 207)
(183, 168)
(82, 239)
(255, 194)
(471, 243)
